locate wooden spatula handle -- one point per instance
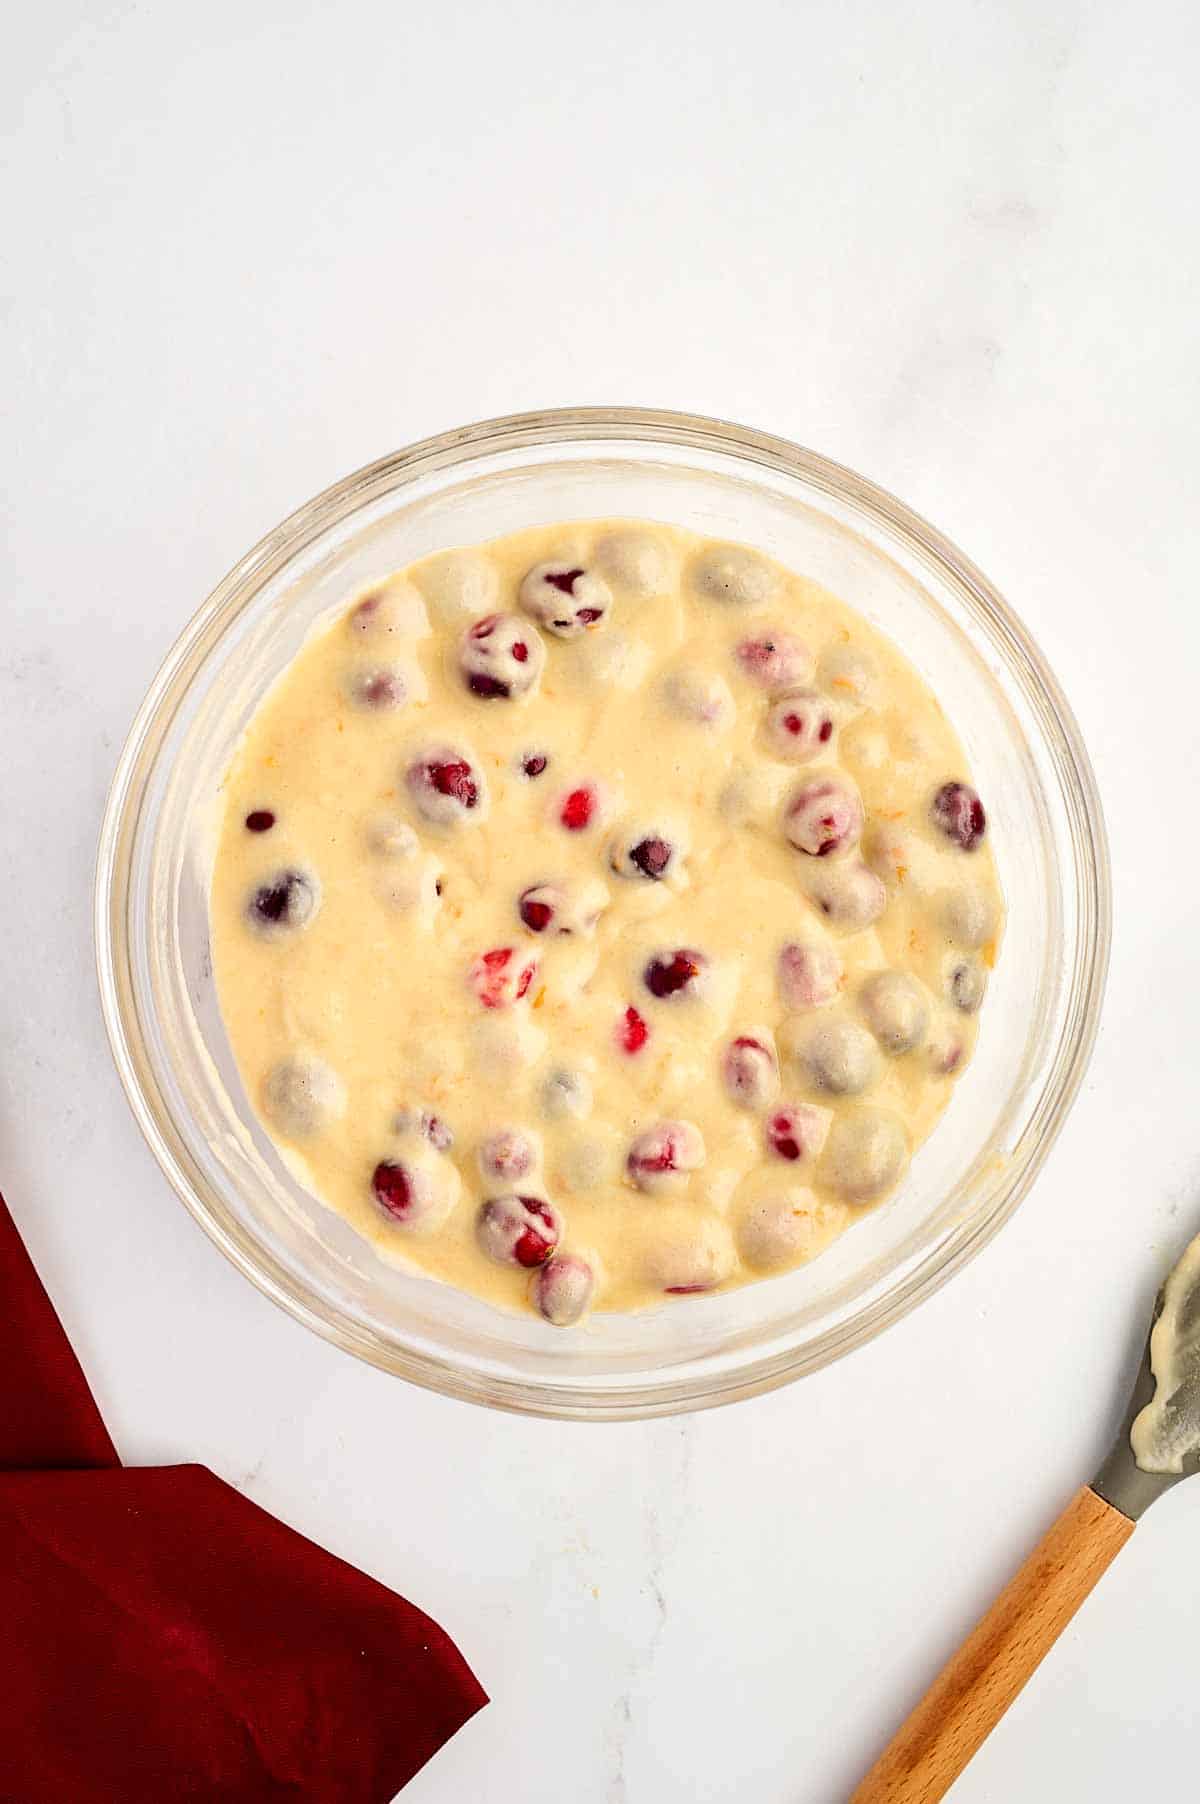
(971, 1694)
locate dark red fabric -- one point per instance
(161, 1637)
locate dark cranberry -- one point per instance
(563, 579)
(578, 808)
(957, 812)
(534, 763)
(673, 973)
(652, 857)
(287, 900)
(260, 820)
(537, 907)
(393, 1188)
(633, 1032)
(519, 1230)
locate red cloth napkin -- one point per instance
(165, 1639)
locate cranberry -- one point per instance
(578, 808)
(538, 906)
(944, 1051)
(836, 1054)
(288, 900)
(519, 1230)
(406, 1193)
(562, 1289)
(798, 726)
(508, 1154)
(847, 893)
(633, 1032)
(809, 976)
(445, 786)
(700, 696)
(501, 657)
(797, 1130)
(565, 598)
(776, 661)
(736, 575)
(562, 910)
(867, 1153)
(379, 688)
(750, 1071)
(824, 815)
(302, 1095)
(429, 1126)
(957, 812)
(566, 1094)
(652, 857)
(895, 1009)
(396, 610)
(662, 1157)
(966, 985)
(533, 764)
(500, 978)
(673, 972)
(260, 820)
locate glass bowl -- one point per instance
(1024, 749)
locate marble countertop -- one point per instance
(248, 249)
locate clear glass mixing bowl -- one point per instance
(1024, 748)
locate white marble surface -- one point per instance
(246, 249)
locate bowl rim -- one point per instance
(527, 431)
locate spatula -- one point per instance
(1158, 1444)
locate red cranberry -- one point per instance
(501, 657)
(750, 1071)
(444, 786)
(519, 1230)
(809, 976)
(776, 661)
(798, 726)
(538, 906)
(662, 1157)
(797, 1131)
(633, 1032)
(824, 815)
(562, 1289)
(533, 764)
(260, 820)
(674, 972)
(578, 808)
(565, 598)
(500, 978)
(405, 1193)
(507, 1154)
(957, 812)
(286, 901)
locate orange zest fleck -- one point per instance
(988, 954)
(540, 997)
